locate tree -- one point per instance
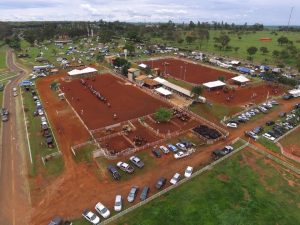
(275, 53)
(130, 47)
(100, 57)
(163, 115)
(197, 90)
(189, 39)
(251, 51)
(30, 36)
(283, 40)
(223, 40)
(221, 78)
(264, 50)
(236, 49)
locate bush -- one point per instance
(163, 115)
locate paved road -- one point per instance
(14, 197)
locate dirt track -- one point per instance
(187, 71)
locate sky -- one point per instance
(268, 12)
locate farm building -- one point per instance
(150, 83)
(175, 88)
(140, 79)
(214, 84)
(88, 71)
(241, 80)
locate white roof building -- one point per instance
(84, 71)
(163, 91)
(240, 79)
(214, 84)
(295, 92)
(142, 65)
(173, 87)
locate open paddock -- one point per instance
(123, 101)
(116, 144)
(187, 71)
(164, 128)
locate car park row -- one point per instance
(275, 129)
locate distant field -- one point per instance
(248, 40)
(245, 189)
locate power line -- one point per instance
(292, 9)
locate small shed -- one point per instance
(133, 73)
(83, 72)
(214, 84)
(140, 79)
(150, 83)
(241, 80)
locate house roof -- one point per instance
(141, 78)
(142, 65)
(163, 91)
(240, 79)
(214, 84)
(132, 70)
(83, 71)
(173, 86)
(150, 82)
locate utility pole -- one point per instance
(292, 9)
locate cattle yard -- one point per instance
(122, 123)
(187, 71)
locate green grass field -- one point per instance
(218, 112)
(247, 40)
(241, 190)
(2, 57)
(38, 146)
(291, 139)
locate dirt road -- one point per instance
(14, 197)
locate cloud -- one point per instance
(233, 11)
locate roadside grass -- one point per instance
(238, 144)
(37, 142)
(84, 154)
(269, 144)
(216, 112)
(2, 57)
(240, 190)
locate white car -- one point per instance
(175, 178)
(180, 155)
(118, 203)
(14, 89)
(102, 210)
(188, 171)
(181, 146)
(164, 149)
(43, 119)
(268, 136)
(91, 217)
(15, 94)
(232, 125)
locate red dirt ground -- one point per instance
(243, 95)
(187, 71)
(96, 114)
(143, 132)
(116, 144)
(163, 128)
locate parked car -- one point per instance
(257, 130)
(102, 210)
(56, 221)
(164, 149)
(175, 178)
(40, 112)
(268, 136)
(187, 144)
(160, 183)
(251, 135)
(118, 203)
(188, 171)
(15, 94)
(181, 146)
(144, 193)
(180, 155)
(136, 161)
(132, 194)
(115, 173)
(156, 153)
(232, 125)
(91, 217)
(172, 148)
(125, 167)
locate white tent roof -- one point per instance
(83, 71)
(173, 86)
(294, 92)
(142, 65)
(240, 79)
(214, 84)
(163, 91)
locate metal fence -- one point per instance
(206, 168)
